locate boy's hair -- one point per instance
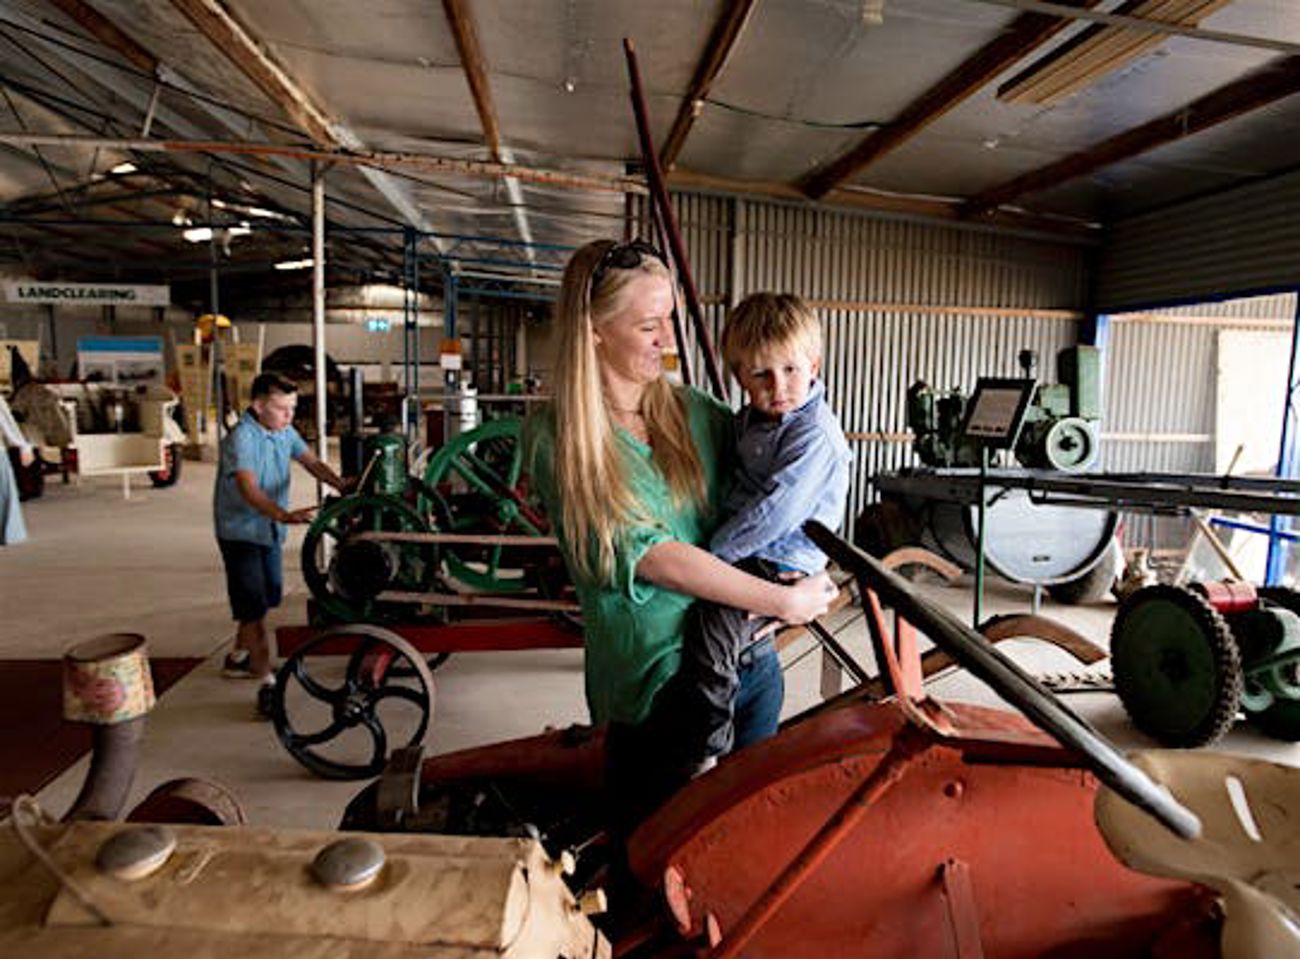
(765, 321)
(264, 384)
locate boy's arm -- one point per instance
(807, 462)
(322, 471)
(253, 495)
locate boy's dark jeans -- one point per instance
(694, 713)
(716, 640)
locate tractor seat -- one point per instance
(1248, 850)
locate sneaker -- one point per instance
(238, 665)
(266, 701)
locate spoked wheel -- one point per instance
(346, 573)
(337, 721)
(481, 489)
(1177, 667)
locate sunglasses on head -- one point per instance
(624, 256)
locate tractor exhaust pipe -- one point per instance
(107, 683)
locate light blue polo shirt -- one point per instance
(251, 447)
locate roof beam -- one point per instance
(107, 32)
(461, 20)
(229, 36)
(726, 31)
(1025, 34)
(1278, 80)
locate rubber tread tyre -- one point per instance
(1133, 648)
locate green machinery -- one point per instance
(1061, 429)
(1187, 661)
(472, 486)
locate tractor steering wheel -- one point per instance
(1009, 681)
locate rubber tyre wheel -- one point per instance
(1280, 721)
(1094, 585)
(1136, 654)
(163, 478)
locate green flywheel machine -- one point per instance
(473, 487)
(1189, 660)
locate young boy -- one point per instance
(251, 508)
(793, 466)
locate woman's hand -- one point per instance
(807, 599)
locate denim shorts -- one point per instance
(253, 579)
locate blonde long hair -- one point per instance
(591, 479)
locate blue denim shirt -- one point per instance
(791, 470)
(251, 447)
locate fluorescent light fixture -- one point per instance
(198, 234)
(1099, 50)
(240, 229)
(265, 214)
(296, 264)
(124, 168)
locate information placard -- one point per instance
(997, 410)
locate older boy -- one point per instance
(793, 467)
(250, 506)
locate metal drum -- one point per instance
(1025, 542)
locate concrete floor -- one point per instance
(97, 563)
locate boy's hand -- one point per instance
(807, 599)
(303, 515)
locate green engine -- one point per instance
(385, 459)
(1061, 429)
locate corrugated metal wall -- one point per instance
(1241, 241)
(1160, 393)
(886, 290)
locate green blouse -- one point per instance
(633, 627)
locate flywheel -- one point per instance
(1177, 667)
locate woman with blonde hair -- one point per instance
(631, 469)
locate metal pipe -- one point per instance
(1286, 456)
(381, 159)
(659, 196)
(318, 314)
(679, 333)
(1225, 523)
(114, 757)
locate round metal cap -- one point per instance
(135, 852)
(348, 863)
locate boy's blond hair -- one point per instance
(770, 321)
